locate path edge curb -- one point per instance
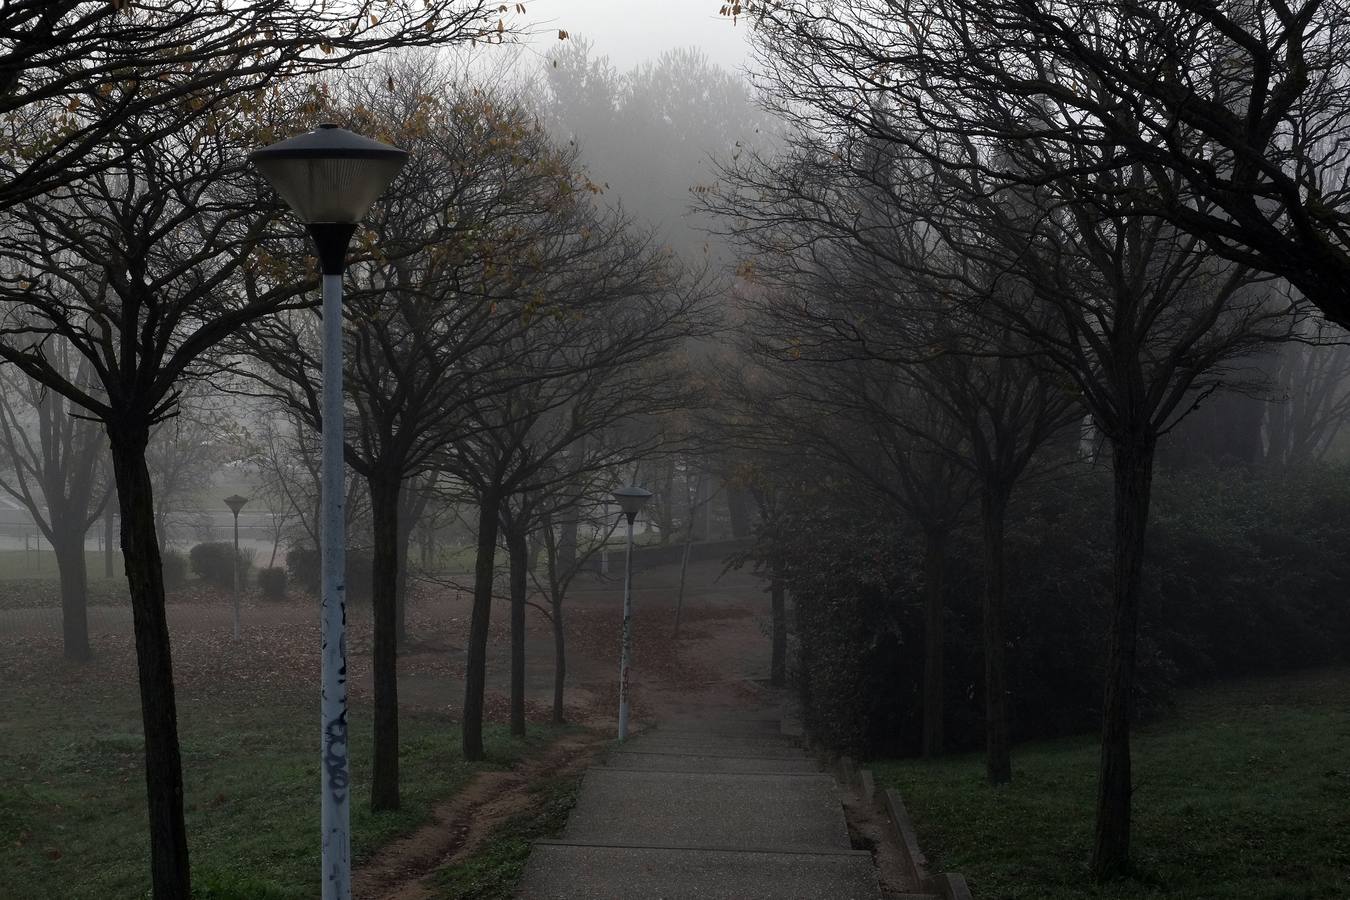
(950, 885)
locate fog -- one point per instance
(790, 449)
(629, 37)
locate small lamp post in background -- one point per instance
(236, 503)
(631, 500)
(330, 177)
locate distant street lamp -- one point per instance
(330, 177)
(236, 503)
(631, 500)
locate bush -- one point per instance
(214, 563)
(272, 583)
(1243, 575)
(175, 568)
(304, 565)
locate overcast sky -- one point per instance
(630, 32)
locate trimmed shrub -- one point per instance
(1244, 574)
(303, 563)
(272, 583)
(214, 563)
(175, 567)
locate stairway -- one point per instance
(711, 808)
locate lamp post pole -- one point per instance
(631, 499)
(330, 177)
(236, 503)
(336, 802)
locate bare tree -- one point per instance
(862, 340)
(570, 435)
(561, 569)
(1238, 111)
(614, 305)
(428, 317)
(1135, 313)
(57, 461)
(1310, 402)
(148, 260)
(72, 72)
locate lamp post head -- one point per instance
(329, 175)
(631, 500)
(235, 503)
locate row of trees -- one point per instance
(507, 339)
(996, 221)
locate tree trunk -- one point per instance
(384, 497)
(407, 518)
(684, 573)
(998, 755)
(739, 506)
(567, 541)
(518, 551)
(70, 565)
(934, 566)
(1133, 471)
(169, 870)
(667, 507)
(428, 548)
(108, 538)
(778, 659)
(475, 667)
(559, 659)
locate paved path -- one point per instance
(714, 809)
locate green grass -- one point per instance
(492, 872)
(41, 564)
(1243, 793)
(72, 796)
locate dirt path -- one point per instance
(460, 824)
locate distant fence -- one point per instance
(671, 554)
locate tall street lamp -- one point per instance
(330, 177)
(631, 500)
(236, 503)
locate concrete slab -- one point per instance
(722, 811)
(728, 727)
(694, 762)
(559, 871)
(712, 745)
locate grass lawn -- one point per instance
(1243, 793)
(41, 564)
(72, 796)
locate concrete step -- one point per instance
(711, 745)
(698, 762)
(788, 812)
(771, 728)
(559, 870)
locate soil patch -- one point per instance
(462, 823)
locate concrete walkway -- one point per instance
(722, 809)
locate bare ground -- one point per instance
(462, 823)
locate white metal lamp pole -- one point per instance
(330, 177)
(631, 500)
(236, 503)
